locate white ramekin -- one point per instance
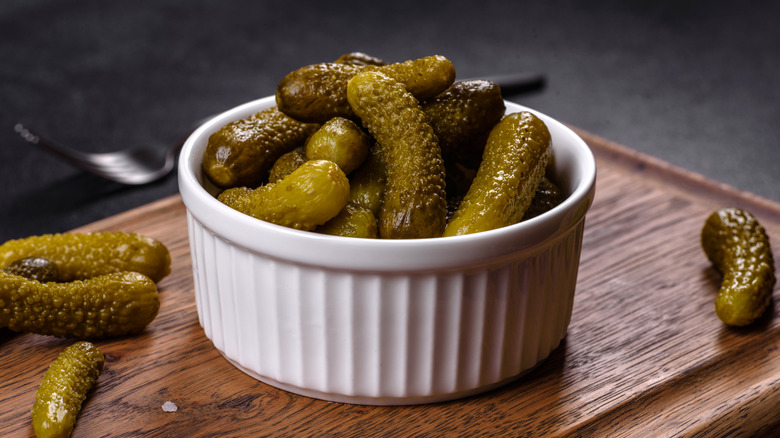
(385, 322)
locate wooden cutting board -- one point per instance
(645, 354)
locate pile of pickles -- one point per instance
(359, 147)
(83, 286)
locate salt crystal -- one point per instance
(169, 406)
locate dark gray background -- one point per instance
(694, 83)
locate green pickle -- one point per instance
(353, 221)
(107, 305)
(339, 140)
(414, 204)
(514, 162)
(367, 183)
(285, 165)
(462, 116)
(84, 255)
(64, 388)
(242, 152)
(738, 247)
(311, 195)
(317, 93)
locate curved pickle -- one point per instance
(738, 247)
(64, 388)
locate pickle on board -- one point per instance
(80, 256)
(339, 140)
(353, 221)
(311, 195)
(285, 165)
(414, 204)
(64, 388)
(242, 152)
(107, 305)
(514, 162)
(316, 93)
(34, 268)
(462, 116)
(738, 247)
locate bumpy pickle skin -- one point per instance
(367, 183)
(339, 140)
(64, 388)
(353, 221)
(738, 247)
(414, 204)
(242, 152)
(104, 306)
(308, 197)
(515, 158)
(85, 255)
(461, 117)
(285, 165)
(317, 93)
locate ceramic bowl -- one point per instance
(385, 322)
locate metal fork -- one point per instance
(130, 167)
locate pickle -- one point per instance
(514, 162)
(414, 204)
(84, 255)
(318, 92)
(242, 152)
(64, 388)
(285, 165)
(359, 58)
(339, 140)
(738, 248)
(353, 221)
(308, 197)
(107, 305)
(34, 268)
(547, 196)
(461, 117)
(367, 183)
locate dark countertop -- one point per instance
(694, 83)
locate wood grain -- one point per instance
(645, 354)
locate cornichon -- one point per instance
(339, 140)
(353, 221)
(64, 388)
(414, 203)
(107, 305)
(84, 255)
(462, 116)
(738, 247)
(242, 152)
(513, 164)
(311, 195)
(285, 165)
(317, 93)
(367, 183)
